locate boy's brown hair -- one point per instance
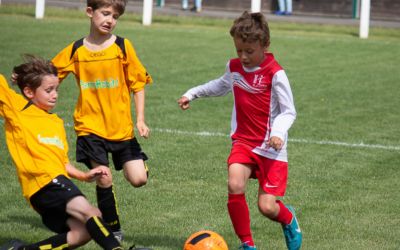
(30, 74)
(251, 27)
(119, 5)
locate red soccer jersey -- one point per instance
(263, 103)
(252, 93)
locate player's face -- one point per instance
(45, 96)
(103, 19)
(251, 54)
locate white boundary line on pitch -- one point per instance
(335, 143)
(305, 141)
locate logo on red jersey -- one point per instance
(258, 85)
(258, 80)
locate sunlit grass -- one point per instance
(345, 89)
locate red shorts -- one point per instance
(271, 174)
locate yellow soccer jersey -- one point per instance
(36, 140)
(105, 79)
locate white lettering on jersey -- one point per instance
(51, 141)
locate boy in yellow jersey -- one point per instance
(37, 143)
(107, 70)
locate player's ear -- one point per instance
(28, 92)
(89, 11)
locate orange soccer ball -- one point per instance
(205, 240)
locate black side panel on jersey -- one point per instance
(120, 42)
(76, 45)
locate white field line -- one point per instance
(305, 141)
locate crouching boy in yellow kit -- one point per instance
(37, 143)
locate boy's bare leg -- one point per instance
(90, 216)
(135, 172)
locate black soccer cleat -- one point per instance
(139, 248)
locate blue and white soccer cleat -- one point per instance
(244, 246)
(292, 232)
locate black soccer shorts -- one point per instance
(94, 148)
(51, 203)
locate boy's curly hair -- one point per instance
(119, 5)
(30, 73)
(251, 27)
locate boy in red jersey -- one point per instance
(107, 70)
(262, 115)
(37, 143)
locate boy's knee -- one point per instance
(135, 173)
(93, 211)
(236, 186)
(268, 209)
(105, 181)
(137, 181)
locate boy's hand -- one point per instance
(143, 130)
(14, 78)
(95, 174)
(276, 143)
(183, 102)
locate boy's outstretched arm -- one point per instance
(217, 87)
(143, 130)
(89, 176)
(183, 102)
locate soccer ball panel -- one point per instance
(205, 240)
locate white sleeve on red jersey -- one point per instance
(217, 87)
(283, 111)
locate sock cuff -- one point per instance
(236, 197)
(284, 216)
(96, 223)
(101, 234)
(98, 188)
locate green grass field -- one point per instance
(344, 148)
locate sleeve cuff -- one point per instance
(279, 134)
(189, 96)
